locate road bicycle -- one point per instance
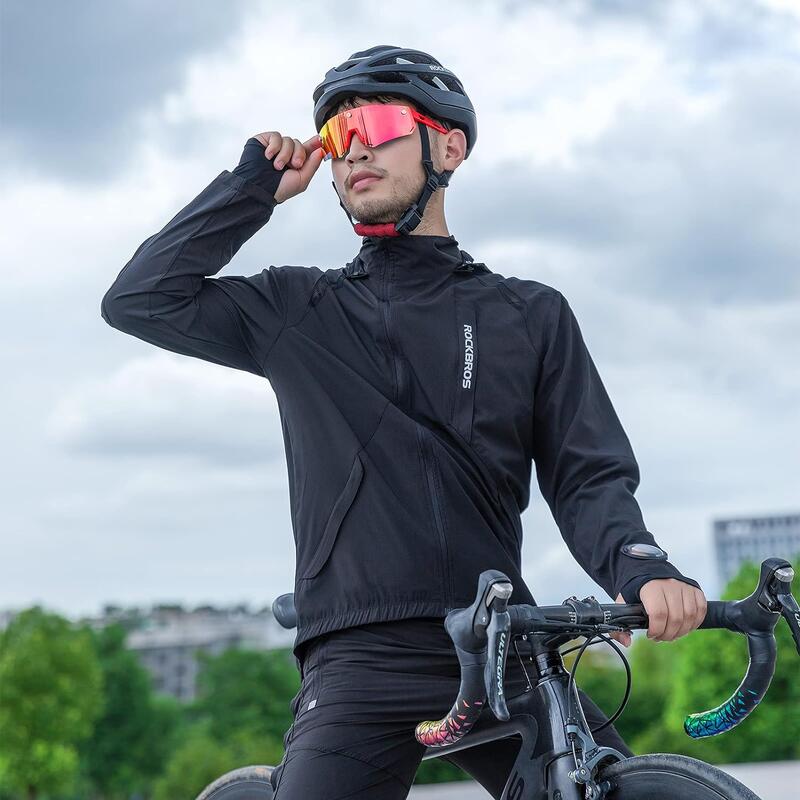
(558, 758)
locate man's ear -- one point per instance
(453, 148)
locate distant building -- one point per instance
(168, 637)
(754, 539)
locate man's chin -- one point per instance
(374, 218)
(373, 221)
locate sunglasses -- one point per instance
(375, 124)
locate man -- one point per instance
(416, 390)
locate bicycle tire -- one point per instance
(663, 776)
(244, 783)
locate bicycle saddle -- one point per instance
(284, 610)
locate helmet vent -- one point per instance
(390, 77)
(412, 58)
(437, 81)
(445, 82)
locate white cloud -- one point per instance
(165, 406)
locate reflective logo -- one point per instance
(469, 357)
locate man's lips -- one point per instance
(362, 175)
(364, 181)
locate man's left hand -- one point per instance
(673, 607)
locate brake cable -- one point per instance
(571, 684)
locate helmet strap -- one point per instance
(412, 216)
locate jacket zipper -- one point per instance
(385, 312)
(444, 553)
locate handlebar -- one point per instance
(481, 634)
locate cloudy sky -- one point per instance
(641, 157)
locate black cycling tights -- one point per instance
(363, 690)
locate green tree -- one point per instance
(600, 677)
(246, 690)
(133, 738)
(641, 724)
(51, 693)
(604, 680)
(438, 770)
(242, 710)
(202, 758)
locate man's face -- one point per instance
(399, 165)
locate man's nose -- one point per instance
(356, 149)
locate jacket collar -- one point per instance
(415, 259)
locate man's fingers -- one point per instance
(674, 608)
(623, 637)
(655, 604)
(287, 150)
(263, 138)
(290, 154)
(689, 611)
(285, 153)
(311, 165)
(702, 607)
(272, 142)
(278, 148)
(312, 144)
(674, 597)
(303, 150)
(299, 155)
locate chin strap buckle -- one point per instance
(403, 223)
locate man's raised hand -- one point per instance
(301, 159)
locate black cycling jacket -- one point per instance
(416, 389)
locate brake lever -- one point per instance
(782, 592)
(497, 650)
(484, 628)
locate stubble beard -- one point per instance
(389, 206)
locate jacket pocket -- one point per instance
(433, 480)
(466, 374)
(340, 508)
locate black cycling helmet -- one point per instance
(402, 72)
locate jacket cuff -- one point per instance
(257, 170)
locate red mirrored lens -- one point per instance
(374, 124)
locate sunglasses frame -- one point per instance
(416, 116)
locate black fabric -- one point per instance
(416, 391)
(256, 167)
(362, 693)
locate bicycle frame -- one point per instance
(539, 716)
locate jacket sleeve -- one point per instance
(165, 294)
(585, 465)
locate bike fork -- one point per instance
(571, 774)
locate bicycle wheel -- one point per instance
(662, 776)
(245, 783)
